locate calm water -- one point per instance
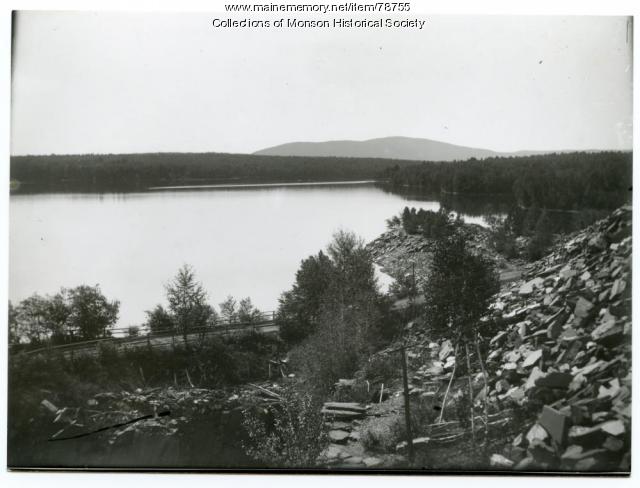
(245, 241)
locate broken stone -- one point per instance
(618, 287)
(513, 357)
(497, 339)
(49, 406)
(569, 334)
(576, 453)
(544, 455)
(580, 415)
(591, 368)
(517, 442)
(613, 427)
(525, 464)
(587, 437)
(445, 350)
(555, 423)
(527, 288)
(536, 373)
(611, 391)
(502, 386)
(333, 451)
(338, 436)
(522, 329)
(577, 382)
(613, 444)
(537, 433)
(353, 460)
(555, 380)
(516, 394)
(372, 462)
(583, 307)
(613, 336)
(607, 322)
(532, 358)
(499, 461)
(591, 463)
(554, 330)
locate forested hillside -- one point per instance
(121, 172)
(564, 181)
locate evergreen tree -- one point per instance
(187, 302)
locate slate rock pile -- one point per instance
(115, 413)
(564, 352)
(401, 254)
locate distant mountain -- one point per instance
(407, 148)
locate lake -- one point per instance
(241, 241)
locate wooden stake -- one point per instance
(486, 392)
(407, 408)
(188, 378)
(453, 375)
(381, 391)
(473, 428)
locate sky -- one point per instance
(125, 82)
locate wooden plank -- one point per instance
(352, 406)
(343, 414)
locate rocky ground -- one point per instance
(558, 376)
(558, 368)
(149, 427)
(403, 256)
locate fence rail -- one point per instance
(154, 339)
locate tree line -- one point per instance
(72, 314)
(573, 181)
(84, 313)
(124, 172)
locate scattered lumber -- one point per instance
(344, 410)
(351, 406)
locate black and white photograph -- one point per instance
(340, 237)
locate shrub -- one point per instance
(423, 414)
(291, 433)
(380, 434)
(383, 368)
